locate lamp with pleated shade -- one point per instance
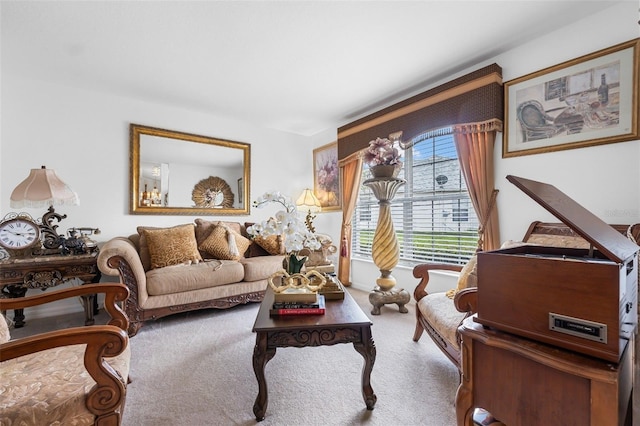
(43, 188)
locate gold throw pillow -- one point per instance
(172, 246)
(272, 244)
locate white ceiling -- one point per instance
(297, 66)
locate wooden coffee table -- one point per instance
(343, 322)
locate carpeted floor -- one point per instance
(196, 369)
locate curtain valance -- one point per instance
(474, 97)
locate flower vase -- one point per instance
(385, 170)
(293, 263)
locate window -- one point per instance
(432, 214)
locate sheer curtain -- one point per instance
(351, 170)
(475, 145)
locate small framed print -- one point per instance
(591, 100)
(326, 177)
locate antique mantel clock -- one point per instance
(19, 234)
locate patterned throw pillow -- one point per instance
(172, 246)
(204, 228)
(217, 244)
(468, 277)
(272, 244)
(143, 247)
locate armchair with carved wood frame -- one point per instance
(76, 375)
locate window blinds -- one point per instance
(432, 213)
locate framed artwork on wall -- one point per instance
(326, 177)
(591, 100)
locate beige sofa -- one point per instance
(188, 267)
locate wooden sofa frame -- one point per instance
(466, 300)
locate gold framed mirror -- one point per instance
(177, 173)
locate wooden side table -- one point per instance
(523, 382)
(17, 275)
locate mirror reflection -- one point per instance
(181, 173)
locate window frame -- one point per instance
(452, 246)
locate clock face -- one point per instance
(18, 234)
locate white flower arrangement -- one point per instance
(287, 223)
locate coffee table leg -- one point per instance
(261, 355)
(368, 351)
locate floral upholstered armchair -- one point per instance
(74, 376)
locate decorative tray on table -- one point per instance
(333, 289)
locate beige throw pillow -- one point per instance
(221, 241)
(468, 277)
(172, 246)
(204, 228)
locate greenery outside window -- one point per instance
(432, 213)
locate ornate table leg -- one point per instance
(87, 304)
(13, 292)
(464, 394)
(367, 349)
(261, 355)
(90, 302)
(96, 280)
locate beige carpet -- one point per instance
(196, 369)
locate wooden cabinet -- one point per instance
(524, 382)
(581, 299)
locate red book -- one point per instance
(301, 311)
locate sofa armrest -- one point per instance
(119, 257)
(422, 272)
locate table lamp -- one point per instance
(44, 188)
(308, 201)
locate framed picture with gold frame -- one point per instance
(326, 177)
(591, 100)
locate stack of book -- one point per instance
(332, 290)
(307, 307)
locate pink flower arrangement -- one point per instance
(382, 152)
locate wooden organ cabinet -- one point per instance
(554, 324)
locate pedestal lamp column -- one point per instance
(385, 248)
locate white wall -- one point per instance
(604, 179)
(84, 136)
